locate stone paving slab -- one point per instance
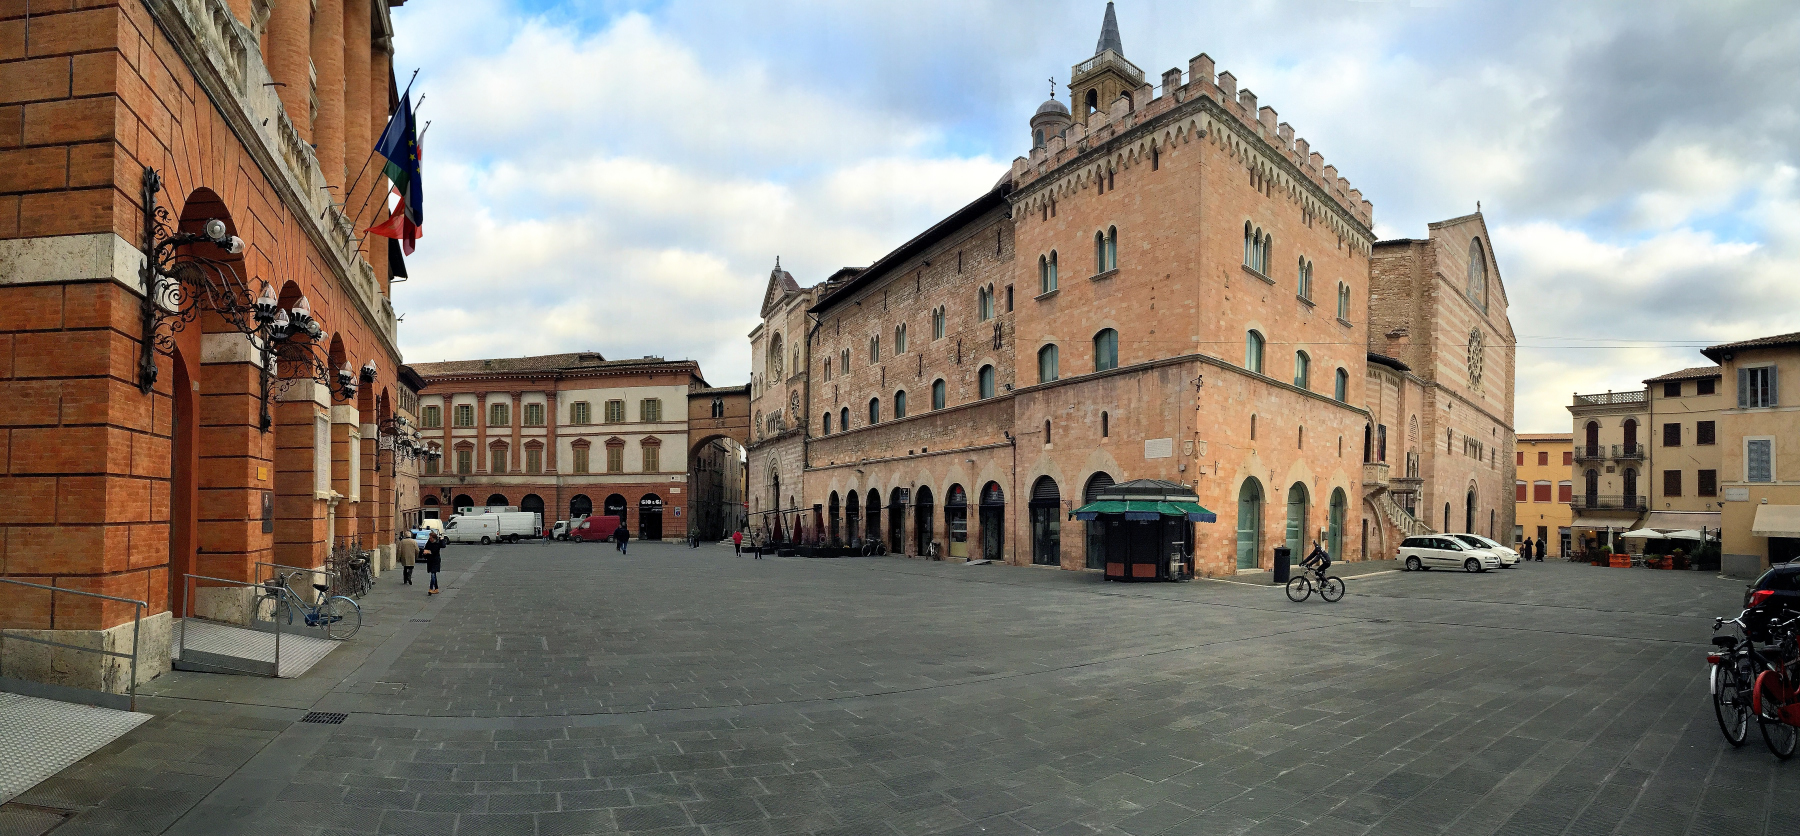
(568, 689)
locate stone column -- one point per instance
(290, 48)
(235, 459)
(481, 450)
(328, 63)
(346, 470)
(302, 474)
(551, 418)
(518, 422)
(358, 141)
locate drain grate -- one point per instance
(421, 620)
(30, 820)
(1378, 621)
(328, 718)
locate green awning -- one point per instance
(1144, 510)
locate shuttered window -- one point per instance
(1756, 388)
(1756, 460)
(1672, 437)
(1704, 433)
(1706, 483)
(1671, 483)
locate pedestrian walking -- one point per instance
(737, 543)
(1540, 550)
(622, 536)
(407, 550)
(760, 542)
(1525, 550)
(434, 560)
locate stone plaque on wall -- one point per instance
(1159, 448)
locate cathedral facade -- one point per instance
(1169, 285)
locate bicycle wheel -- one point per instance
(1299, 589)
(1780, 737)
(1332, 589)
(1729, 705)
(340, 616)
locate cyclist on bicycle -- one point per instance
(1318, 560)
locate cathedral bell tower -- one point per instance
(1096, 83)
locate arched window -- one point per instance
(985, 377)
(900, 404)
(1249, 524)
(1343, 301)
(827, 424)
(1249, 246)
(1341, 387)
(1334, 530)
(937, 323)
(1047, 363)
(984, 301)
(1303, 282)
(875, 349)
(1478, 274)
(1112, 248)
(1302, 370)
(1091, 103)
(1105, 428)
(1037, 138)
(938, 394)
(874, 410)
(1099, 253)
(1299, 507)
(1106, 350)
(1047, 272)
(844, 361)
(1266, 254)
(718, 404)
(844, 419)
(1046, 431)
(1253, 352)
(900, 338)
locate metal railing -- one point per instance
(67, 692)
(1609, 502)
(213, 660)
(277, 575)
(1628, 451)
(1590, 452)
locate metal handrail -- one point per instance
(137, 625)
(187, 582)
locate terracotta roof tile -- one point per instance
(575, 361)
(1695, 373)
(1779, 340)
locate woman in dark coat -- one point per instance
(434, 559)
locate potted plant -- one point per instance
(1678, 560)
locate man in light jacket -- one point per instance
(407, 550)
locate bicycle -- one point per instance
(1776, 696)
(339, 616)
(873, 548)
(1301, 586)
(1731, 679)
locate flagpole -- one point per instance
(371, 196)
(371, 157)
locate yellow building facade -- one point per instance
(1543, 490)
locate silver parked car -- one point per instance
(1433, 550)
(1508, 558)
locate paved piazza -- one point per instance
(565, 689)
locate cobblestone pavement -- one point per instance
(565, 689)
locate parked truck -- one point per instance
(507, 527)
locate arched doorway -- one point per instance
(1592, 440)
(956, 520)
(1298, 505)
(897, 521)
(852, 516)
(532, 504)
(1631, 428)
(1096, 530)
(1249, 524)
(430, 499)
(993, 521)
(462, 501)
(831, 518)
(497, 500)
(650, 510)
(614, 506)
(1334, 530)
(580, 506)
(923, 536)
(873, 523)
(1469, 511)
(1046, 522)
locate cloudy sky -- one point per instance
(620, 176)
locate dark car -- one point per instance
(1777, 589)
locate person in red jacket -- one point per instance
(737, 543)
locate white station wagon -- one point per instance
(1433, 550)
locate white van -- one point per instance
(1425, 552)
(494, 528)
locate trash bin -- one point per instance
(1283, 558)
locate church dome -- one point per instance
(1052, 106)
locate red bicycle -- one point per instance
(1776, 698)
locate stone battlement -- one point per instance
(1246, 120)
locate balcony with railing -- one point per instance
(1590, 452)
(1608, 502)
(1634, 452)
(1375, 475)
(1611, 399)
(1405, 485)
(1109, 58)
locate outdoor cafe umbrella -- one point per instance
(1686, 534)
(1644, 532)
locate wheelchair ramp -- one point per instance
(39, 738)
(212, 647)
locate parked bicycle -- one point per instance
(339, 616)
(1776, 700)
(1301, 586)
(1747, 681)
(1732, 677)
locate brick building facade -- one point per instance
(568, 435)
(130, 478)
(1171, 285)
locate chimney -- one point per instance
(1200, 69)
